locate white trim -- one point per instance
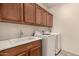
(72, 53)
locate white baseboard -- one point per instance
(73, 54)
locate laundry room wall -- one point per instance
(66, 21)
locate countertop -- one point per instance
(16, 42)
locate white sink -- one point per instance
(20, 40)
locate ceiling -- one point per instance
(50, 5)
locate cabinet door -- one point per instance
(0, 12)
(48, 23)
(35, 51)
(44, 18)
(29, 13)
(49, 20)
(38, 15)
(23, 54)
(10, 12)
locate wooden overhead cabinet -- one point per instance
(25, 13)
(29, 13)
(44, 18)
(38, 15)
(49, 20)
(11, 12)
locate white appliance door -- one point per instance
(49, 46)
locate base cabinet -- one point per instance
(29, 49)
(23, 54)
(35, 51)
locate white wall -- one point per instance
(66, 21)
(10, 30)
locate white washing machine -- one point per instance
(49, 45)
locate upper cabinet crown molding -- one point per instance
(27, 13)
